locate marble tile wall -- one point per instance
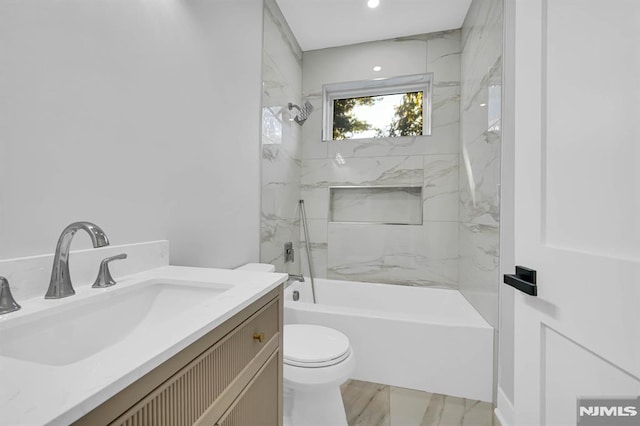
(376, 204)
(421, 255)
(458, 165)
(280, 145)
(481, 70)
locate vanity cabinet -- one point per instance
(230, 377)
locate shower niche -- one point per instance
(386, 205)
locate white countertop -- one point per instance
(33, 393)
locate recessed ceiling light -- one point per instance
(373, 3)
(377, 68)
(483, 105)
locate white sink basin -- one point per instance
(75, 331)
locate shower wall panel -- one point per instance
(481, 140)
(280, 145)
(419, 255)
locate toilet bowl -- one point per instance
(317, 360)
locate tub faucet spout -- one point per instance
(60, 284)
(294, 277)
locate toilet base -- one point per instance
(319, 406)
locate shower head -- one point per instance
(303, 113)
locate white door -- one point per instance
(577, 208)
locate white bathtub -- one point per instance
(419, 338)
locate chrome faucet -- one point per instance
(7, 302)
(294, 277)
(60, 284)
(105, 279)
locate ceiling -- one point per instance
(318, 24)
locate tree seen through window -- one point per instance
(392, 115)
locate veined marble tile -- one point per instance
(482, 46)
(443, 55)
(274, 232)
(317, 231)
(279, 135)
(318, 175)
(380, 147)
(480, 268)
(424, 255)
(441, 190)
(275, 228)
(281, 60)
(483, 26)
(280, 200)
(444, 139)
(316, 201)
(280, 182)
(445, 120)
(280, 44)
(477, 101)
(291, 136)
(276, 89)
(411, 270)
(445, 105)
(475, 114)
(312, 145)
(318, 239)
(480, 179)
(363, 171)
(278, 164)
(474, 77)
(319, 258)
(401, 56)
(481, 65)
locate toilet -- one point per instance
(317, 360)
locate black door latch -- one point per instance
(524, 280)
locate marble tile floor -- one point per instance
(372, 404)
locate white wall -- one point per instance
(139, 115)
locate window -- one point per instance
(381, 108)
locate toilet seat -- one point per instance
(314, 346)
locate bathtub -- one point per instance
(427, 339)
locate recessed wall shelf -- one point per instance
(382, 204)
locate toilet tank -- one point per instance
(258, 267)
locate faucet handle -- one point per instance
(7, 302)
(104, 278)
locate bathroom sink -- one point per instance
(78, 330)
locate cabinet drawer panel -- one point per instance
(258, 404)
(182, 399)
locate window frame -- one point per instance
(376, 87)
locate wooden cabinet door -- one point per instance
(258, 404)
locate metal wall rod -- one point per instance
(303, 215)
